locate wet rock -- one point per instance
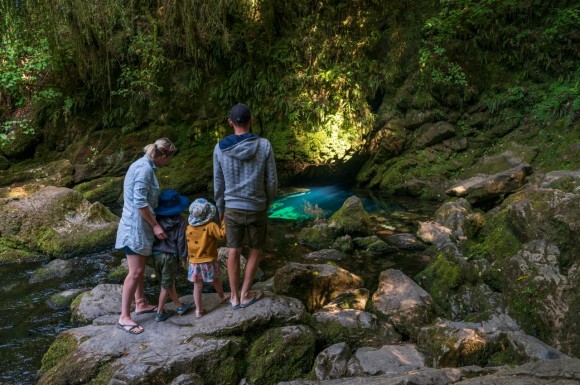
(430, 134)
(326, 255)
(317, 237)
(460, 218)
(57, 268)
(64, 298)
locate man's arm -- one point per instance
(219, 184)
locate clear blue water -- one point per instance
(28, 325)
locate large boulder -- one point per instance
(543, 297)
(315, 285)
(351, 219)
(56, 221)
(206, 347)
(282, 353)
(482, 190)
(403, 302)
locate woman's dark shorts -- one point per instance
(241, 223)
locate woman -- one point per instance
(138, 227)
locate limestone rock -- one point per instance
(404, 303)
(351, 219)
(389, 359)
(332, 362)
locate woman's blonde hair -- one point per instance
(161, 147)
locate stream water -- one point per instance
(28, 325)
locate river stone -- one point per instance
(541, 296)
(351, 219)
(57, 268)
(548, 214)
(315, 285)
(405, 241)
(281, 354)
(326, 255)
(318, 236)
(57, 221)
(482, 189)
(389, 359)
(356, 327)
(64, 298)
(102, 300)
(332, 362)
(404, 303)
(434, 233)
(459, 217)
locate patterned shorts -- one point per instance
(205, 272)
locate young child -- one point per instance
(202, 236)
(168, 252)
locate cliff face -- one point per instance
(397, 96)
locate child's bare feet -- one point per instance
(224, 299)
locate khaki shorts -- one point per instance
(245, 223)
(166, 266)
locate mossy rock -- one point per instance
(281, 354)
(106, 190)
(351, 219)
(317, 237)
(66, 223)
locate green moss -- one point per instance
(441, 278)
(59, 351)
(317, 237)
(275, 357)
(495, 241)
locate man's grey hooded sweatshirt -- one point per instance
(244, 173)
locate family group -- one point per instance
(245, 183)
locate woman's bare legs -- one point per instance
(134, 278)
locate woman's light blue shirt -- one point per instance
(140, 189)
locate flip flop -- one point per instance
(131, 329)
(160, 317)
(255, 298)
(234, 307)
(154, 310)
(224, 299)
(199, 314)
(183, 308)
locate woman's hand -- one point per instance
(159, 231)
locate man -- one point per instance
(245, 182)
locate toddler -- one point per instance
(168, 252)
(202, 235)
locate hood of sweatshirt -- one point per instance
(168, 222)
(242, 147)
